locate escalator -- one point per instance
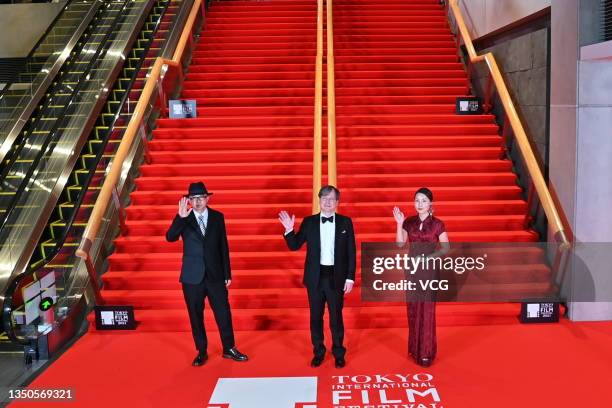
(43, 132)
(71, 215)
(58, 239)
(20, 96)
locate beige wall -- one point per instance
(485, 16)
(580, 149)
(21, 25)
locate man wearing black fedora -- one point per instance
(206, 269)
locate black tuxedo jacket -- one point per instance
(344, 249)
(202, 254)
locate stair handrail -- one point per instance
(331, 100)
(318, 112)
(108, 191)
(539, 184)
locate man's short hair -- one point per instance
(325, 190)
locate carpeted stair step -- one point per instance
(294, 298)
(301, 209)
(363, 224)
(293, 195)
(209, 132)
(354, 317)
(353, 143)
(254, 258)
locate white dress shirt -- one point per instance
(328, 237)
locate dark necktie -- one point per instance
(202, 225)
(325, 219)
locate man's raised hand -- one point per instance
(183, 209)
(287, 221)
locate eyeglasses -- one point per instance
(198, 197)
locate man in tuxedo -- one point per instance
(329, 270)
(206, 269)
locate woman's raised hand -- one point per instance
(398, 215)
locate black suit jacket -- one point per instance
(344, 249)
(200, 252)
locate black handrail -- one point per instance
(53, 133)
(16, 281)
(40, 40)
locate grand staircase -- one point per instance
(252, 75)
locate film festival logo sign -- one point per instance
(385, 391)
(270, 392)
(357, 391)
(115, 318)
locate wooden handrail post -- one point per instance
(318, 113)
(331, 100)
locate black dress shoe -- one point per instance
(200, 359)
(235, 355)
(340, 362)
(316, 361)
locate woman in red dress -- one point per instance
(423, 231)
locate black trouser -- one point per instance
(217, 298)
(326, 292)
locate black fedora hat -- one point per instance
(197, 188)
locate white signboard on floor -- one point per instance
(268, 392)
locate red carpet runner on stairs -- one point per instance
(252, 74)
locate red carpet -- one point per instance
(252, 74)
(397, 78)
(564, 365)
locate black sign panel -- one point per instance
(115, 318)
(468, 105)
(539, 312)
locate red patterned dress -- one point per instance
(423, 238)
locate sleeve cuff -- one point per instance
(288, 232)
(350, 280)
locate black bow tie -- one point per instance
(325, 219)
